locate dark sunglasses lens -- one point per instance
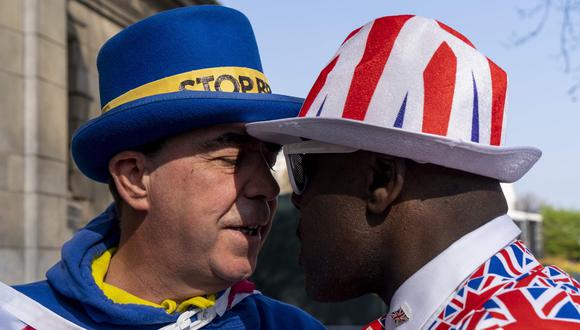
(297, 168)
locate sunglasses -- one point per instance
(297, 160)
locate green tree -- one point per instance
(562, 233)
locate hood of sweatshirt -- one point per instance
(72, 276)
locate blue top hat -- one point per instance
(172, 72)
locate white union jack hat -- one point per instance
(410, 87)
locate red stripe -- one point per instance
(455, 33)
(550, 305)
(380, 42)
(317, 87)
(478, 272)
(543, 280)
(520, 244)
(350, 35)
(509, 262)
(474, 320)
(498, 316)
(443, 326)
(457, 302)
(499, 87)
(439, 82)
(488, 281)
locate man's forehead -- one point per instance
(228, 138)
(201, 135)
(217, 130)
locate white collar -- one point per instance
(421, 295)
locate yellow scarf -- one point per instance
(99, 270)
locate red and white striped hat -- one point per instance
(411, 87)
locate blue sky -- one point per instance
(297, 38)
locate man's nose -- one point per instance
(296, 200)
(261, 183)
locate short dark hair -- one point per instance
(149, 150)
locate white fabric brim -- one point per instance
(507, 164)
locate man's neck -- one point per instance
(143, 270)
(434, 231)
(143, 281)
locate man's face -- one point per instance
(338, 243)
(212, 197)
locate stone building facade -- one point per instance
(48, 87)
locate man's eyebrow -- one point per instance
(228, 139)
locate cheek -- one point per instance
(186, 190)
(335, 245)
(327, 236)
(325, 231)
(191, 204)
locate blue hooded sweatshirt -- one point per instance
(71, 292)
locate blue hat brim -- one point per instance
(160, 116)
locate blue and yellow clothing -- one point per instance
(99, 270)
(75, 290)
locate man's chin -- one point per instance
(234, 272)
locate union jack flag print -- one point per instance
(413, 73)
(399, 316)
(512, 290)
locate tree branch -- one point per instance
(544, 5)
(569, 36)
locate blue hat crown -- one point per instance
(178, 70)
(174, 42)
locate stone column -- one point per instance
(33, 137)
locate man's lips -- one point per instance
(253, 229)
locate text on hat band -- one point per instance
(220, 79)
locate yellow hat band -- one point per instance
(219, 79)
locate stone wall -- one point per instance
(33, 127)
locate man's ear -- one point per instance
(130, 176)
(386, 182)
